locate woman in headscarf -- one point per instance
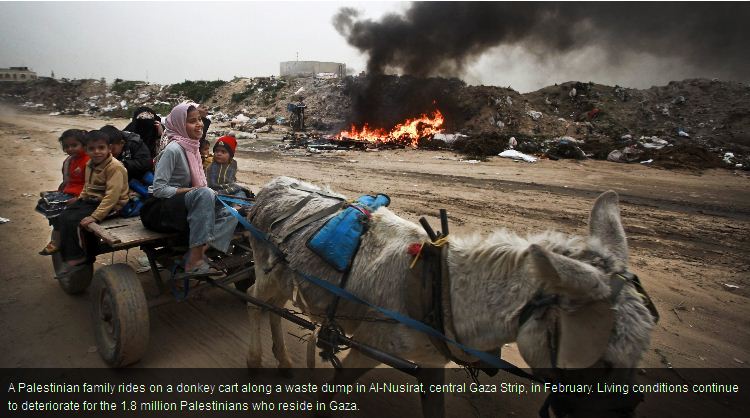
(182, 202)
(147, 124)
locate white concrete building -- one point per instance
(312, 68)
(17, 74)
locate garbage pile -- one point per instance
(694, 123)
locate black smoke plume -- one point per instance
(441, 38)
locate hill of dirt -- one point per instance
(694, 123)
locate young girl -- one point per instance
(74, 170)
(181, 201)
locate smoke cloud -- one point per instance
(444, 38)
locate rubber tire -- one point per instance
(119, 311)
(76, 282)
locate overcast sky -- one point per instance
(168, 42)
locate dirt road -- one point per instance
(688, 234)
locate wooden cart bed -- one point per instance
(122, 233)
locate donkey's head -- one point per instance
(588, 311)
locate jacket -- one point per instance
(171, 173)
(108, 184)
(223, 177)
(135, 156)
(74, 174)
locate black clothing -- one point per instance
(135, 156)
(206, 124)
(68, 225)
(144, 127)
(167, 215)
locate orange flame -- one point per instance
(409, 132)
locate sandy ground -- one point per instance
(688, 235)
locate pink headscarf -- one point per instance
(176, 131)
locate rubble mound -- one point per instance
(694, 123)
(686, 156)
(268, 97)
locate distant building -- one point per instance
(313, 68)
(17, 74)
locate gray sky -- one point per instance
(168, 42)
(172, 41)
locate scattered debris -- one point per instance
(4, 220)
(730, 286)
(653, 142)
(626, 155)
(680, 307)
(448, 138)
(245, 135)
(699, 119)
(516, 155)
(534, 114)
(565, 148)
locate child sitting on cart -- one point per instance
(105, 190)
(73, 171)
(222, 173)
(129, 148)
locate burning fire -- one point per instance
(408, 133)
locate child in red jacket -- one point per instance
(73, 170)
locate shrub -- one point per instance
(198, 91)
(238, 97)
(121, 86)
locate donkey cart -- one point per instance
(119, 303)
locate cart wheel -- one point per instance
(76, 282)
(245, 284)
(120, 315)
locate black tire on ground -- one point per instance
(245, 284)
(120, 315)
(76, 282)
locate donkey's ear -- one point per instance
(568, 275)
(605, 225)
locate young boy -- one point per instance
(105, 190)
(221, 175)
(129, 148)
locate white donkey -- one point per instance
(492, 281)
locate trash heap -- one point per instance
(693, 124)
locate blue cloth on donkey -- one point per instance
(337, 241)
